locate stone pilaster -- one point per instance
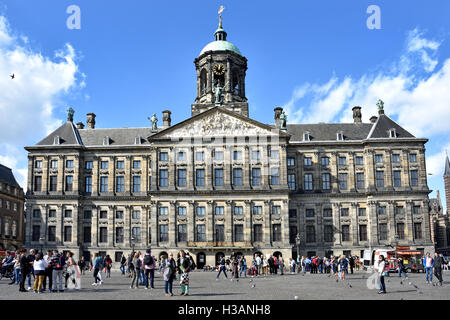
(94, 228)
(191, 221)
(154, 223)
(248, 227)
(351, 172)
(426, 220)
(267, 223)
(354, 223)
(127, 227)
(391, 221)
(229, 221)
(319, 223)
(370, 169)
(409, 230)
(337, 224)
(405, 165)
(389, 183)
(210, 221)
(172, 223)
(373, 224)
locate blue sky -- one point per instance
(132, 59)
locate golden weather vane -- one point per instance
(221, 10)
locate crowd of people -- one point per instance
(57, 272)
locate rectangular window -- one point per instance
(416, 209)
(218, 177)
(36, 233)
(163, 211)
(256, 155)
(103, 214)
(327, 213)
(310, 234)
(69, 183)
(119, 214)
(291, 162)
(360, 181)
(412, 157)
(218, 155)
(274, 154)
(274, 176)
(381, 210)
(238, 232)
(163, 156)
(36, 213)
(69, 164)
(119, 234)
(182, 211)
(181, 156)
(120, 184)
(309, 213)
(200, 156)
(220, 233)
(326, 181)
(88, 184)
(397, 178)
(325, 161)
(361, 212)
(67, 213)
(87, 214)
(328, 233)
(136, 233)
(200, 211)
(182, 181)
(38, 164)
(54, 164)
(342, 161)
(378, 158)
(163, 233)
(344, 212)
(219, 211)
(53, 183)
(103, 236)
(417, 230)
(37, 183)
(257, 210)
(200, 177)
(308, 182)
(401, 231)
(276, 209)
(345, 233)
(257, 233)
(67, 234)
(103, 184)
(398, 210)
(292, 213)
(414, 178)
(256, 176)
(238, 210)
(52, 233)
(362, 232)
(136, 184)
(120, 164)
(182, 232)
(291, 182)
(52, 213)
(359, 161)
(163, 177)
(379, 177)
(342, 181)
(88, 165)
(237, 176)
(382, 230)
(307, 161)
(200, 234)
(136, 214)
(136, 164)
(104, 164)
(395, 158)
(237, 155)
(276, 232)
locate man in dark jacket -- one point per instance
(24, 269)
(438, 263)
(351, 262)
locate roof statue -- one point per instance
(283, 118)
(380, 105)
(218, 93)
(154, 121)
(70, 113)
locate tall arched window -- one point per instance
(14, 229)
(203, 82)
(235, 81)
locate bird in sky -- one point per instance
(12, 76)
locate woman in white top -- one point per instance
(39, 266)
(381, 274)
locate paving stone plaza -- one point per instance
(203, 286)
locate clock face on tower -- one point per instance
(219, 69)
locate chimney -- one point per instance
(90, 120)
(166, 118)
(80, 125)
(357, 114)
(278, 112)
(373, 119)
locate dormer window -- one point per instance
(392, 133)
(138, 140)
(340, 136)
(106, 141)
(306, 136)
(57, 140)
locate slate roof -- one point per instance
(68, 134)
(384, 124)
(7, 176)
(118, 137)
(328, 131)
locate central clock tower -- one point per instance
(221, 70)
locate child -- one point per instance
(184, 279)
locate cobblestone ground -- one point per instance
(287, 287)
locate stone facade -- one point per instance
(221, 182)
(11, 211)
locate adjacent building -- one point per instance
(221, 182)
(11, 211)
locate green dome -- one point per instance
(220, 46)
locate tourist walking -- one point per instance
(222, 268)
(82, 265)
(97, 265)
(123, 263)
(265, 266)
(428, 264)
(31, 258)
(169, 268)
(401, 270)
(235, 267)
(149, 267)
(351, 262)
(259, 263)
(438, 263)
(39, 265)
(281, 265)
(381, 274)
(16, 279)
(185, 268)
(58, 262)
(136, 271)
(243, 266)
(343, 264)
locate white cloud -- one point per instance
(436, 162)
(27, 103)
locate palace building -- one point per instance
(221, 182)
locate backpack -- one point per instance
(148, 260)
(138, 263)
